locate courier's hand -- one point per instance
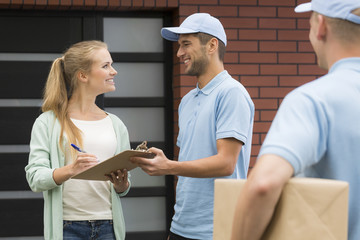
(157, 166)
(120, 180)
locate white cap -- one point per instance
(195, 23)
(333, 8)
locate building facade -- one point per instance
(268, 52)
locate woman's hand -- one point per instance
(82, 162)
(119, 178)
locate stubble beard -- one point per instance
(198, 66)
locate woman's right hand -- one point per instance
(82, 162)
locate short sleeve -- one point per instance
(234, 115)
(299, 131)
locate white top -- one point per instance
(84, 199)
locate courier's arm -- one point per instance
(221, 164)
(259, 196)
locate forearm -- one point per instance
(214, 166)
(221, 164)
(259, 197)
(253, 213)
(62, 174)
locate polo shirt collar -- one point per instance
(348, 63)
(213, 83)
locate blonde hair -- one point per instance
(61, 83)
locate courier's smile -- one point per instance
(192, 54)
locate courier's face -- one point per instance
(192, 54)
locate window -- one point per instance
(143, 100)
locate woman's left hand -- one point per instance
(120, 180)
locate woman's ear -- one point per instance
(83, 77)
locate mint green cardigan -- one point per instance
(45, 156)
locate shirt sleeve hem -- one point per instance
(284, 153)
(231, 134)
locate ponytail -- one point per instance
(62, 81)
(55, 92)
(56, 96)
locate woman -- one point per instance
(78, 209)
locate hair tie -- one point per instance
(62, 61)
(62, 65)
(67, 84)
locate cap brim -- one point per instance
(305, 7)
(172, 33)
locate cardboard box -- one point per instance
(308, 209)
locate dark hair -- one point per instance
(205, 38)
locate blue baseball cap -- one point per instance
(333, 8)
(196, 23)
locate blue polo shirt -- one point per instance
(317, 130)
(222, 109)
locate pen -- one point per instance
(77, 148)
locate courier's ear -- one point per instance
(322, 27)
(213, 45)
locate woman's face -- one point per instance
(101, 76)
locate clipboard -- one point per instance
(119, 161)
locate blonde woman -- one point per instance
(78, 209)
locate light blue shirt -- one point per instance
(222, 109)
(317, 129)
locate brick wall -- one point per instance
(268, 49)
(268, 52)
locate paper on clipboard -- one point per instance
(119, 161)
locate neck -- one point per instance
(339, 50)
(213, 69)
(82, 106)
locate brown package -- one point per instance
(308, 209)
